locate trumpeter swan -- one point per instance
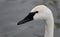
(41, 12)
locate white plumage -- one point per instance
(44, 13)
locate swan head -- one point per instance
(37, 13)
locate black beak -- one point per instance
(24, 21)
(28, 18)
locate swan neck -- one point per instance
(49, 28)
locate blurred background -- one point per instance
(11, 11)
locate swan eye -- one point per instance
(33, 13)
(36, 12)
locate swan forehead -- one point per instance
(39, 8)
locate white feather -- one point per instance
(45, 13)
